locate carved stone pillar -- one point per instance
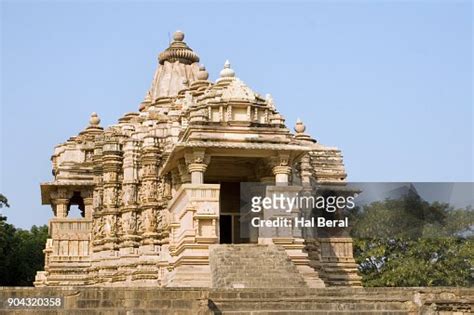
(98, 193)
(305, 170)
(130, 194)
(197, 162)
(130, 171)
(197, 171)
(282, 174)
(146, 269)
(112, 164)
(282, 170)
(60, 200)
(88, 205)
(149, 190)
(61, 207)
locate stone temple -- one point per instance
(159, 191)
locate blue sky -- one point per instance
(388, 82)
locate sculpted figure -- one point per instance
(109, 226)
(129, 223)
(98, 227)
(129, 195)
(149, 221)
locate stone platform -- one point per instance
(89, 300)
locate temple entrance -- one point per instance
(229, 172)
(229, 219)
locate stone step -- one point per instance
(258, 304)
(253, 266)
(314, 312)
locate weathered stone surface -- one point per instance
(253, 266)
(88, 300)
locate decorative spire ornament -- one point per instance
(227, 72)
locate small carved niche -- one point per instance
(88, 155)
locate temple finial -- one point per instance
(300, 129)
(299, 126)
(94, 120)
(227, 72)
(178, 36)
(202, 74)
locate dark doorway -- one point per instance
(225, 228)
(230, 213)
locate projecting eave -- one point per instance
(235, 149)
(48, 187)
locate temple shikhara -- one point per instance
(159, 191)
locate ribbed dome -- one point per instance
(178, 68)
(178, 51)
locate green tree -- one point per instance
(3, 201)
(28, 254)
(21, 251)
(410, 242)
(22, 254)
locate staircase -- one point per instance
(252, 266)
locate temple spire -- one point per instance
(178, 68)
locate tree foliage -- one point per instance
(3, 201)
(410, 242)
(21, 252)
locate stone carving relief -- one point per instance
(97, 199)
(89, 154)
(129, 223)
(166, 186)
(197, 157)
(148, 223)
(98, 228)
(110, 225)
(129, 195)
(149, 169)
(284, 159)
(147, 191)
(61, 193)
(110, 196)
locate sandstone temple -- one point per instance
(158, 192)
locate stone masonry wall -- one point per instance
(88, 300)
